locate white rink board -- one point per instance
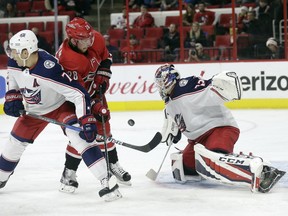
(260, 80)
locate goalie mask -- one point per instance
(165, 79)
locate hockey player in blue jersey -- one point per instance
(195, 108)
(36, 76)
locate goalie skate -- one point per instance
(68, 181)
(123, 177)
(110, 190)
(270, 176)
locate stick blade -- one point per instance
(151, 174)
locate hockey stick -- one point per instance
(145, 148)
(151, 174)
(105, 137)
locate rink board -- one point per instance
(265, 85)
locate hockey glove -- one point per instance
(101, 80)
(170, 131)
(100, 110)
(13, 103)
(88, 122)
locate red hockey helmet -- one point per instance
(79, 29)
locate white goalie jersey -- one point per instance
(195, 100)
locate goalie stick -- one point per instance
(152, 174)
(145, 148)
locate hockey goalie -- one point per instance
(195, 108)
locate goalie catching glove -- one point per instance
(170, 131)
(227, 85)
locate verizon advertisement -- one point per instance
(260, 80)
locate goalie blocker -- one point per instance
(235, 169)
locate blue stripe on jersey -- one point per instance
(91, 155)
(191, 84)
(7, 166)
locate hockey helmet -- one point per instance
(25, 39)
(165, 79)
(79, 28)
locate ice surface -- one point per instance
(33, 188)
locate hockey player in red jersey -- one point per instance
(195, 108)
(85, 58)
(36, 77)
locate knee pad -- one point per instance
(76, 141)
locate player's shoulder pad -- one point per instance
(47, 65)
(189, 85)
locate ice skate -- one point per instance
(3, 183)
(109, 191)
(68, 181)
(122, 176)
(270, 176)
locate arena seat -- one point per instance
(39, 25)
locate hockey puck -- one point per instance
(131, 122)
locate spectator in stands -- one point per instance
(203, 16)
(112, 49)
(120, 21)
(133, 46)
(145, 19)
(193, 2)
(10, 10)
(42, 42)
(253, 28)
(242, 16)
(6, 44)
(171, 41)
(264, 15)
(195, 35)
(152, 3)
(189, 15)
(277, 51)
(134, 4)
(196, 54)
(2, 8)
(169, 5)
(49, 5)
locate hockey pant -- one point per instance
(26, 129)
(219, 139)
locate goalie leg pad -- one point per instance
(228, 168)
(178, 169)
